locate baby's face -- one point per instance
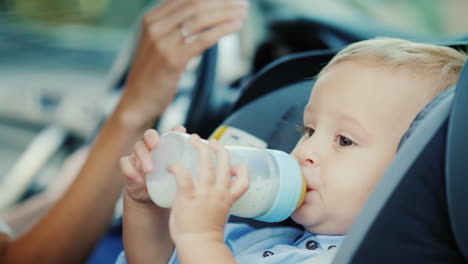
(353, 123)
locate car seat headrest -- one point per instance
(273, 118)
(424, 112)
(286, 71)
(456, 165)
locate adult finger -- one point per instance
(184, 181)
(142, 153)
(204, 21)
(151, 139)
(185, 13)
(208, 38)
(206, 172)
(163, 10)
(187, 48)
(223, 165)
(241, 183)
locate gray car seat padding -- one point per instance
(274, 117)
(408, 153)
(426, 110)
(457, 164)
(288, 70)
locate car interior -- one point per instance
(280, 133)
(281, 74)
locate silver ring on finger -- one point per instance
(183, 31)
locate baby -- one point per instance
(361, 105)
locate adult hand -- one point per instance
(172, 34)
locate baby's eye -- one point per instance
(307, 131)
(344, 141)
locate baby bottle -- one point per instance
(277, 186)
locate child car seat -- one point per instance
(456, 168)
(417, 212)
(284, 87)
(407, 218)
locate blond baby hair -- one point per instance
(396, 52)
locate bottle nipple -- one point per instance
(291, 188)
(303, 192)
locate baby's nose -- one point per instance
(312, 162)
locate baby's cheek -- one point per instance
(351, 193)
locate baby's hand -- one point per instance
(201, 206)
(138, 164)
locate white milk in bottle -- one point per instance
(276, 189)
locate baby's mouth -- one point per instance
(308, 189)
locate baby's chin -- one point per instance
(315, 226)
(300, 221)
(300, 217)
(310, 221)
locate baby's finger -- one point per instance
(136, 164)
(183, 179)
(144, 156)
(206, 172)
(129, 170)
(151, 138)
(223, 165)
(180, 129)
(241, 183)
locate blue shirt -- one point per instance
(271, 244)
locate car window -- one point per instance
(435, 18)
(63, 38)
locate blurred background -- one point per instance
(63, 65)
